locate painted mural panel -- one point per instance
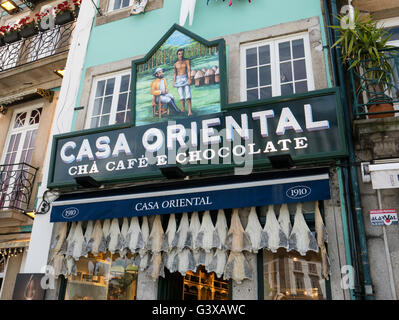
(181, 79)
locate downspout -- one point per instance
(368, 292)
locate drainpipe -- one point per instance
(367, 287)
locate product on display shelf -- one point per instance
(89, 230)
(170, 234)
(194, 228)
(237, 239)
(169, 260)
(237, 268)
(124, 231)
(96, 243)
(115, 241)
(106, 232)
(254, 230)
(207, 237)
(78, 244)
(273, 236)
(205, 257)
(59, 244)
(156, 266)
(183, 237)
(70, 238)
(221, 227)
(155, 239)
(185, 261)
(218, 262)
(134, 236)
(145, 232)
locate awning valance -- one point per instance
(212, 195)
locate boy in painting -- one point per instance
(159, 90)
(182, 80)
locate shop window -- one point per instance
(103, 277)
(110, 101)
(276, 67)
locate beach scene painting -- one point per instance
(181, 79)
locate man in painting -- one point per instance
(159, 90)
(182, 80)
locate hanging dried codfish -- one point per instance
(237, 268)
(69, 239)
(183, 237)
(207, 237)
(284, 220)
(124, 244)
(170, 233)
(60, 244)
(70, 266)
(204, 258)
(169, 259)
(301, 238)
(78, 244)
(89, 230)
(96, 243)
(194, 228)
(143, 261)
(156, 266)
(237, 239)
(184, 261)
(134, 236)
(254, 230)
(273, 236)
(145, 232)
(322, 238)
(115, 243)
(58, 263)
(107, 231)
(155, 239)
(218, 262)
(221, 227)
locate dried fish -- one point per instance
(237, 268)
(58, 263)
(145, 232)
(155, 239)
(70, 266)
(284, 220)
(218, 262)
(207, 237)
(124, 244)
(322, 238)
(156, 266)
(273, 236)
(144, 260)
(237, 239)
(96, 243)
(89, 230)
(114, 236)
(183, 237)
(194, 228)
(69, 239)
(134, 236)
(169, 260)
(221, 227)
(106, 231)
(301, 238)
(204, 257)
(185, 261)
(254, 230)
(78, 242)
(170, 234)
(59, 244)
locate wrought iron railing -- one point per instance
(44, 44)
(367, 88)
(16, 185)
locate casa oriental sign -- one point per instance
(307, 126)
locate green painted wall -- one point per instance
(136, 35)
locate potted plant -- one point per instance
(27, 27)
(63, 13)
(362, 44)
(11, 34)
(42, 16)
(76, 9)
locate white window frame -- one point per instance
(275, 62)
(118, 77)
(3, 275)
(112, 3)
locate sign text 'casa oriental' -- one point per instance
(307, 127)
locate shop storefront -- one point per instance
(198, 207)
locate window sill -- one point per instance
(123, 13)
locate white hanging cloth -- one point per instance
(187, 8)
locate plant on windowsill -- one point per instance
(362, 44)
(42, 16)
(76, 9)
(63, 13)
(11, 34)
(28, 27)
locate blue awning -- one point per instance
(204, 196)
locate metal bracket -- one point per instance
(45, 93)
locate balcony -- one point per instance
(16, 186)
(29, 63)
(366, 91)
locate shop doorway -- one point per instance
(199, 285)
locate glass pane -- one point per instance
(125, 83)
(285, 72)
(284, 51)
(125, 3)
(301, 87)
(107, 105)
(104, 121)
(35, 116)
(120, 117)
(252, 78)
(128, 116)
(33, 139)
(20, 120)
(252, 95)
(264, 54)
(94, 122)
(252, 59)
(298, 50)
(265, 76)
(97, 106)
(29, 156)
(286, 89)
(117, 4)
(299, 69)
(122, 101)
(11, 143)
(110, 86)
(100, 88)
(27, 139)
(265, 92)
